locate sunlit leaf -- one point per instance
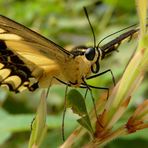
(39, 127)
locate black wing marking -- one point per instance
(14, 74)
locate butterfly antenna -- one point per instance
(86, 13)
(116, 33)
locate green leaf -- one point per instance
(39, 127)
(4, 136)
(142, 11)
(76, 102)
(139, 134)
(85, 122)
(6, 128)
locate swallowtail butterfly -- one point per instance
(29, 60)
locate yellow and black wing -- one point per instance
(26, 57)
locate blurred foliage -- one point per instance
(64, 22)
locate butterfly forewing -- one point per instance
(20, 33)
(35, 57)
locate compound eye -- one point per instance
(90, 54)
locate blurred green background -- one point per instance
(64, 22)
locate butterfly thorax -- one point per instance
(76, 69)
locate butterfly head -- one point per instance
(94, 54)
(91, 54)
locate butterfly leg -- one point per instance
(96, 87)
(88, 87)
(93, 100)
(48, 89)
(102, 73)
(64, 113)
(65, 104)
(86, 93)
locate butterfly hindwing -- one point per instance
(14, 74)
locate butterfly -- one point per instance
(29, 60)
